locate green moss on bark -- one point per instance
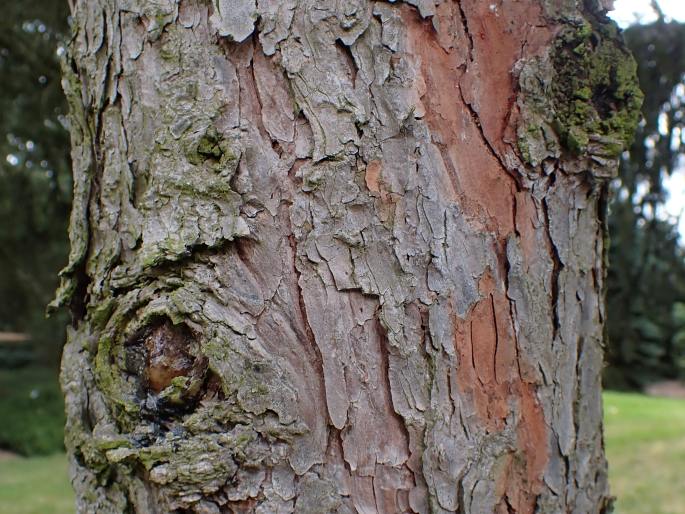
(595, 89)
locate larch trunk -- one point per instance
(340, 256)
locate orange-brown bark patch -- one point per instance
(502, 33)
(505, 33)
(470, 110)
(373, 175)
(527, 223)
(486, 347)
(521, 479)
(488, 378)
(483, 188)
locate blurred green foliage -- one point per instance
(35, 177)
(32, 411)
(646, 282)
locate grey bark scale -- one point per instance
(312, 270)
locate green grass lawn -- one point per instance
(35, 485)
(645, 442)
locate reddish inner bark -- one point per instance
(462, 66)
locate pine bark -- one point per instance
(339, 256)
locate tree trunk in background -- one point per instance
(340, 256)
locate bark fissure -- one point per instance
(516, 177)
(556, 271)
(465, 26)
(303, 309)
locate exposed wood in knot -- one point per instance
(168, 357)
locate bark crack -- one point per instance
(557, 266)
(494, 322)
(465, 24)
(311, 338)
(476, 120)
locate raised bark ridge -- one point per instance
(318, 266)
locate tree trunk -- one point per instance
(340, 256)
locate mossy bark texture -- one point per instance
(340, 256)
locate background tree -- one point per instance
(340, 257)
(646, 292)
(35, 176)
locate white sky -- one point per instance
(627, 12)
(632, 11)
